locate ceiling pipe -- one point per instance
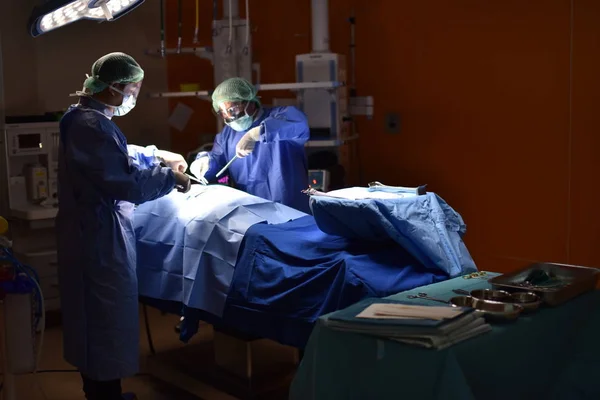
(320, 26)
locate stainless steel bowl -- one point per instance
(491, 310)
(462, 301)
(498, 311)
(489, 294)
(529, 301)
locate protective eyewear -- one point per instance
(232, 111)
(132, 89)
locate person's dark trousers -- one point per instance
(101, 390)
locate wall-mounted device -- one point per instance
(31, 169)
(325, 108)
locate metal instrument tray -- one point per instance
(573, 280)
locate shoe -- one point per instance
(178, 326)
(129, 396)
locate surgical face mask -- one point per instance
(241, 124)
(129, 101)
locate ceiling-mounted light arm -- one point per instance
(104, 6)
(54, 14)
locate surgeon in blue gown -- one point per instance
(269, 144)
(100, 179)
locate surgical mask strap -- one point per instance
(119, 91)
(85, 104)
(246, 111)
(81, 93)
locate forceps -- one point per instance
(424, 296)
(202, 181)
(221, 172)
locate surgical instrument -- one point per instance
(221, 172)
(202, 180)
(476, 275)
(424, 296)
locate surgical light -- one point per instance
(56, 13)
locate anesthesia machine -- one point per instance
(29, 155)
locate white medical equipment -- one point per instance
(318, 179)
(231, 44)
(324, 108)
(29, 197)
(31, 167)
(36, 178)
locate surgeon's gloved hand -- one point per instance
(172, 160)
(182, 182)
(246, 144)
(199, 168)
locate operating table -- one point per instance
(231, 259)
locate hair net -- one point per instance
(113, 68)
(234, 89)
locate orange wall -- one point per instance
(584, 240)
(484, 92)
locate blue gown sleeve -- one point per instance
(143, 156)
(285, 124)
(95, 151)
(217, 156)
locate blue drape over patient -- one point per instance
(426, 226)
(188, 243)
(220, 252)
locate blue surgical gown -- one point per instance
(277, 168)
(100, 179)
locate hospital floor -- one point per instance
(67, 385)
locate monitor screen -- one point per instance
(316, 179)
(30, 141)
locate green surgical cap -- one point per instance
(113, 68)
(234, 89)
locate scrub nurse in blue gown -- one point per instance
(100, 179)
